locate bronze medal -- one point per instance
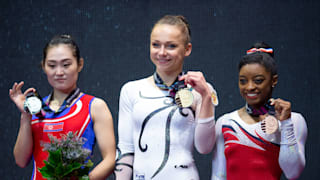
(184, 98)
(269, 125)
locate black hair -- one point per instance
(266, 59)
(62, 39)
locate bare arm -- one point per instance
(24, 144)
(103, 128)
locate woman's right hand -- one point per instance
(17, 96)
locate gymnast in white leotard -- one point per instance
(156, 135)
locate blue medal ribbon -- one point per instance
(66, 103)
(173, 88)
(266, 108)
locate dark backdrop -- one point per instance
(113, 36)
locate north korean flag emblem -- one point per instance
(53, 127)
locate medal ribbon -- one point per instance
(66, 103)
(173, 88)
(266, 108)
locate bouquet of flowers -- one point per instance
(67, 158)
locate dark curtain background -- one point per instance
(113, 36)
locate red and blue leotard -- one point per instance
(244, 151)
(75, 118)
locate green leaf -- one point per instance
(59, 170)
(55, 157)
(89, 163)
(71, 167)
(48, 170)
(86, 177)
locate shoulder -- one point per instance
(99, 109)
(98, 105)
(97, 102)
(134, 84)
(230, 115)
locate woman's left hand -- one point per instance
(197, 81)
(282, 108)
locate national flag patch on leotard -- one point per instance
(53, 127)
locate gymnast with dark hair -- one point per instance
(66, 109)
(264, 138)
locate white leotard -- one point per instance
(160, 136)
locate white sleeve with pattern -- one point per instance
(219, 160)
(123, 169)
(293, 138)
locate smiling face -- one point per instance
(61, 68)
(168, 48)
(255, 84)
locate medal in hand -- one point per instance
(184, 98)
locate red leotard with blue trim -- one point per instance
(75, 118)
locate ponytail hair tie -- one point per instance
(266, 50)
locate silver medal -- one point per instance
(33, 104)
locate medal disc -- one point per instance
(270, 124)
(184, 98)
(33, 104)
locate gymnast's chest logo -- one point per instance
(53, 127)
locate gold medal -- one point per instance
(269, 125)
(184, 98)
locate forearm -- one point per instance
(206, 108)
(103, 169)
(124, 167)
(24, 143)
(205, 135)
(291, 157)
(205, 127)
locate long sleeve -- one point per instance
(124, 162)
(293, 138)
(205, 126)
(219, 160)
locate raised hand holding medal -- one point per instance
(18, 97)
(281, 110)
(197, 81)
